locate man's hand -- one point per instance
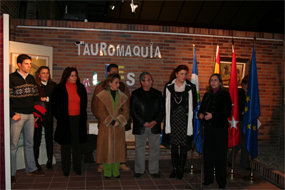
(16, 117)
(146, 125)
(152, 124)
(208, 116)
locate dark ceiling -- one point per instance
(258, 16)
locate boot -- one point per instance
(182, 162)
(49, 163)
(174, 160)
(38, 165)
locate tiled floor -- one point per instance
(91, 179)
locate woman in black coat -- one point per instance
(180, 101)
(46, 87)
(69, 108)
(214, 110)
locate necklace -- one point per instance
(178, 99)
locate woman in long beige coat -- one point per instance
(112, 112)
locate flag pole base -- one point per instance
(232, 175)
(192, 170)
(250, 178)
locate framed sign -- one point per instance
(226, 66)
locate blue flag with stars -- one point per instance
(196, 127)
(252, 110)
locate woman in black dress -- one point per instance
(180, 101)
(214, 110)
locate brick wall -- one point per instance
(175, 50)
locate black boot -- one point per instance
(38, 165)
(49, 163)
(174, 160)
(182, 162)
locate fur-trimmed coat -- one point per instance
(111, 140)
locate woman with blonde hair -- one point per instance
(112, 112)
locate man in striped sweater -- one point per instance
(23, 94)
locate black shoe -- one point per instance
(179, 174)
(222, 186)
(78, 172)
(66, 174)
(107, 177)
(13, 179)
(118, 176)
(38, 166)
(173, 174)
(49, 164)
(155, 175)
(207, 183)
(137, 175)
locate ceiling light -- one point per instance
(133, 6)
(112, 7)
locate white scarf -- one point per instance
(190, 111)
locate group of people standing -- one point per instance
(114, 107)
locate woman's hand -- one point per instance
(208, 116)
(43, 99)
(201, 116)
(117, 124)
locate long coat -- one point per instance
(111, 140)
(60, 110)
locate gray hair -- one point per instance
(142, 76)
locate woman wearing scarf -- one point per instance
(180, 101)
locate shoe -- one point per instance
(13, 179)
(173, 174)
(78, 172)
(117, 176)
(207, 183)
(155, 175)
(107, 177)
(222, 186)
(66, 174)
(38, 166)
(49, 164)
(36, 173)
(124, 167)
(137, 175)
(100, 168)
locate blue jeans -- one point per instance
(25, 124)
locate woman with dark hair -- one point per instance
(69, 105)
(45, 87)
(180, 101)
(112, 112)
(214, 110)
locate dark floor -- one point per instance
(91, 179)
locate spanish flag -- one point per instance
(217, 63)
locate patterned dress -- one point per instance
(178, 120)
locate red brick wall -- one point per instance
(175, 50)
(2, 146)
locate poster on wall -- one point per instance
(41, 55)
(37, 62)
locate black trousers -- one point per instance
(72, 148)
(215, 154)
(48, 138)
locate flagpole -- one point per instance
(254, 109)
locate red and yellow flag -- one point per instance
(217, 63)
